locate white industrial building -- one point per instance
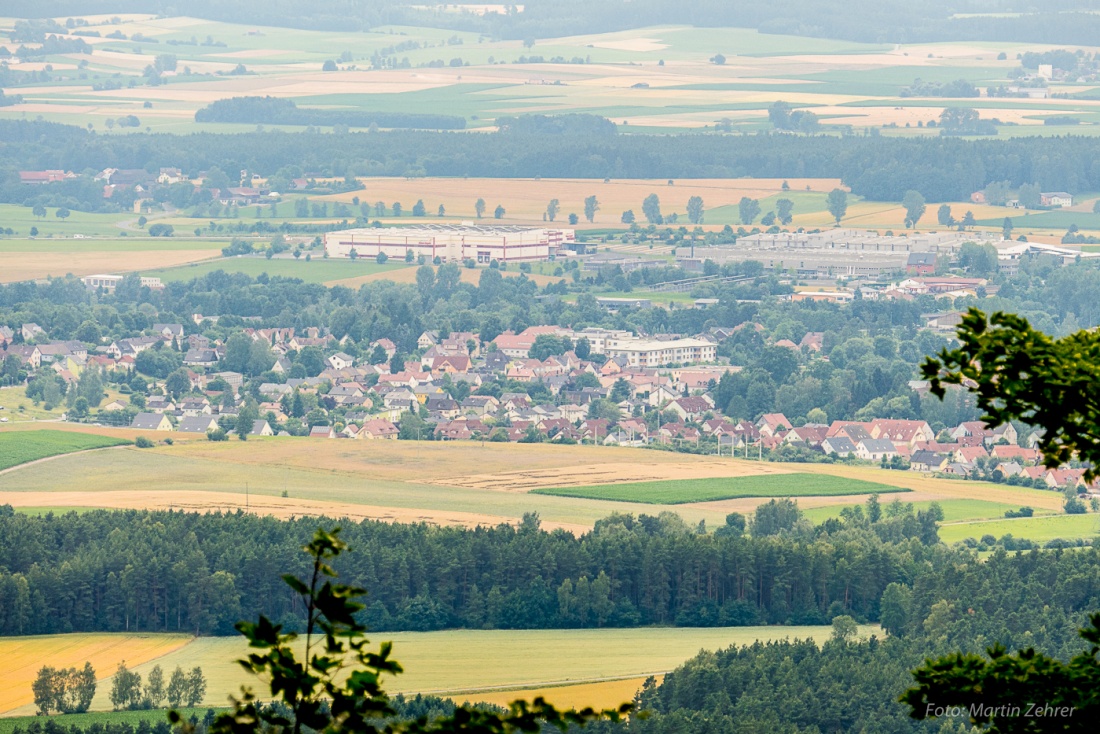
(451, 242)
(110, 282)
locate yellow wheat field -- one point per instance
(24, 656)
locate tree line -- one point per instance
(138, 571)
(875, 167)
(273, 111)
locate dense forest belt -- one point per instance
(169, 571)
(878, 168)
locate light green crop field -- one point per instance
(706, 490)
(20, 447)
(953, 510)
(1039, 529)
(317, 270)
(464, 663)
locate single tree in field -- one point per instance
(695, 210)
(944, 216)
(837, 204)
(968, 221)
(479, 207)
(552, 209)
(442, 211)
(499, 212)
(1007, 227)
(62, 213)
(591, 206)
(177, 688)
(154, 688)
(38, 211)
(418, 208)
(783, 210)
(651, 209)
(320, 693)
(913, 202)
(45, 690)
(142, 221)
(126, 689)
(196, 687)
(749, 210)
(396, 208)
(628, 217)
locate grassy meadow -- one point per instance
(678, 492)
(448, 663)
(25, 446)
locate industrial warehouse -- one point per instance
(841, 252)
(451, 243)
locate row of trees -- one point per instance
(183, 689)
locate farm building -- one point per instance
(450, 243)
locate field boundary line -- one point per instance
(538, 684)
(58, 456)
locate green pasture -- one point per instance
(21, 219)
(20, 447)
(317, 270)
(676, 492)
(1038, 529)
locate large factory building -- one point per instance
(450, 242)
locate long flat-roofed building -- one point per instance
(659, 353)
(450, 242)
(109, 282)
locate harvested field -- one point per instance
(24, 656)
(527, 198)
(32, 266)
(592, 474)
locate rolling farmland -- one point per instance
(476, 484)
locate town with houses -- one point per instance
(600, 386)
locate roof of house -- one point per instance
(196, 424)
(878, 445)
(147, 421)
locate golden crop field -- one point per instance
(527, 198)
(491, 665)
(23, 657)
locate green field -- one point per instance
(20, 447)
(1039, 529)
(9, 723)
(953, 510)
(684, 491)
(316, 271)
